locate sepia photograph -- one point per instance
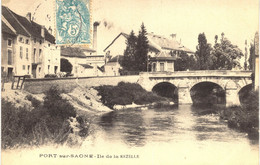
(138, 82)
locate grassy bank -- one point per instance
(245, 117)
(49, 121)
(126, 93)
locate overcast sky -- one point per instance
(238, 19)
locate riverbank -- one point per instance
(244, 118)
(55, 117)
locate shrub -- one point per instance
(50, 76)
(126, 93)
(47, 122)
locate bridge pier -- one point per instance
(232, 97)
(184, 94)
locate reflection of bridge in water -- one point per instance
(230, 81)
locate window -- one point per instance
(23, 67)
(28, 71)
(21, 39)
(39, 69)
(49, 45)
(9, 42)
(21, 52)
(10, 57)
(161, 67)
(34, 40)
(27, 41)
(40, 53)
(34, 55)
(40, 41)
(27, 56)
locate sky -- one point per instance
(238, 19)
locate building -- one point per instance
(112, 67)
(8, 39)
(162, 51)
(84, 64)
(35, 52)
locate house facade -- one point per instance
(84, 63)
(35, 52)
(162, 51)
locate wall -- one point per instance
(51, 57)
(37, 86)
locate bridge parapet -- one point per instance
(200, 73)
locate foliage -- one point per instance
(135, 54)
(245, 117)
(251, 56)
(128, 62)
(65, 65)
(203, 53)
(185, 62)
(141, 56)
(50, 76)
(225, 55)
(46, 123)
(125, 93)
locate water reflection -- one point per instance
(175, 124)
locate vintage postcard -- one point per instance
(138, 82)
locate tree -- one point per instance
(128, 62)
(251, 56)
(225, 55)
(65, 65)
(185, 62)
(142, 50)
(203, 53)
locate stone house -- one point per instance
(35, 52)
(162, 51)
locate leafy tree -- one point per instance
(225, 55)
(185, 62)
(251, 59)
(128, 62)
(203, 53)
(142, 49)
(65, 65)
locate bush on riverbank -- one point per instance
(246, 116)
(47, 122)
(126, 93)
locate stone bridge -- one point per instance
(230, 81)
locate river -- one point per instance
(183, 135)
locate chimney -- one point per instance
(50, 30)
(42, 32)
(173, 36)
(29, 16)
(95, 35)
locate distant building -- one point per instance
(162, 51)
(84, 64)
(112, 67)
(35, 52)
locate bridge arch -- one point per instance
(166, 89)
(244, 92)
(207, 92)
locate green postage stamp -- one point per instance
(73, 22)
